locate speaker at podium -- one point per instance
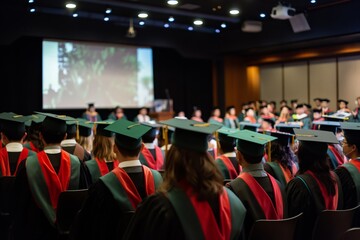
(162, 110)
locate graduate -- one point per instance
(196, 116)
(227, 162)
(343, 106)
(13, 135)
(117, 113)
(250, 115)
(316, 187)
(349, 173)
(283, 165)
(151, 154)
(317, 117)
(33, 141)
(325, 106)
(317, 102)
(70, 145)
(230, 120)
(192, 202)
(216, 116)
(284, 115)
(41, 179)
(91, 114)
(301, 117)
(356, 112)
(86, 135)
(253, 185)
(113, 198)
(142, 116)
(104, 159)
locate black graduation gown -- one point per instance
(71, 149)
(29, 220)
(102, 217)
(311, 204)
(253, 209)
(348, 188)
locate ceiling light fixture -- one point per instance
(143, 15)
(141, 23)
(131, 33)
(108, 11)
(313, 1)
(106, 19)
(234, 11)
(217, 30)
(166, 25)
(262, 15)
(32, 10)
(70, 5)
(172, 2)
(31, 1)
(198, 22)
(223, 25)
(171, 19)
(75, 15)
(190, 28)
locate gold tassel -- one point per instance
(77, 131)
(165, 138)
(217, 142)
(269, 152)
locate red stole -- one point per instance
(270, 211)
(232, 171)
(287, 174)
(4, 161)
(103, 166)
(331, 202)
(337, 155)
(356, 163)
(130, 188)
(55, 182)
(33, 148)
(152, 163)
(209, 226)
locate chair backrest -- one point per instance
(351, 234)
(6, 194)
(69, 204)
(283, 229)
(331, 224)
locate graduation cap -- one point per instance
(71, 127)
(249, 126)
(55, 124)
(327, 126)
(344, 101)
(85, 127)
(13, 125)
(316, 110)
(128, 134)
(35, 119)
(299, 106)
(269, 120)
(91, 105)
(317, 99)
(294, 101)
(325, 100)
(190, 134)
(351, 131)
(251, 143)
(223, 134)
(283, 138)
(315, 141)
(287, 127)
(101, 128)
(337, 117)
(150, 135)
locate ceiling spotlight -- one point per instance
(217, 30)
(262, 15)
(131, 33)
(172, 2)
(223, 25)
(313, 1)
(141, 23)
(106, 19)
(31, 1)
(32, 10)
(143, 15)
(166, 25)
(190, 28)
(171, 19)
(234, 11)
(75, 15)
(70, 5)
(108, 11)
(198, 22)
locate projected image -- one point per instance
(76, 73)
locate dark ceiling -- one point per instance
(326, 18)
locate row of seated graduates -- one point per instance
(287, 177)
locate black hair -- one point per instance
(14, 135)
(282, 154)
(252, 159)
(71, 131)
(126, 151)
(52, 138)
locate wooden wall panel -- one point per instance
(271, 83)
(296, 81)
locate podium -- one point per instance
(161, 116)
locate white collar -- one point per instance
(14, 147)
(68, 143)
(131, 163)
(149, 145)
(230, 154)
(52, 150)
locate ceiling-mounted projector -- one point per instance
(282, 12)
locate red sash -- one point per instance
(287, 174)
(232, 171)
(337, 155)
(209, 226)
(129, 186)
(356, 163)
(4, 161)
(331, 202)
(56, 183)
(103, 166)
(152, 163)
(270, 211)
(33, 148)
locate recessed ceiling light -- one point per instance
(70, 5)
(172, 2)
(313, 1)
(262, 15)
(171, 19)
(234, 11)
(223, 25)
(190, 28)
(217, 30)
(32, 10)
(143, 15)
(141, 23)
(31, 1)
(108, 11)
(166, 25)
(75, 15)
(106, 19)
(198, 22)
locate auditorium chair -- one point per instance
(283, 229)
(6, 198)
(69, 204)
(332, 224)
(351, 234)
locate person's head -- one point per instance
(103, 147)
(264, 110)
(271, 106)
(118, 111)
(325, 103)
(150, 136)
(143, 111)
(54, 128)
(267, 123)
(91, 107)
(294, 103)
(181, 114)
(13, 127)
(227, 144)
(351, 142)
(250, 112)
(317, 113)
(300, 109)
(86, 142)
(71, 128)
(216, 112)
(231, 110)
(283, 103)
(317, 102)
(342, 103)
(197, 113)
(284, 110)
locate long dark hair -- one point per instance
(283, 155)
(197, 169)
(318, 163)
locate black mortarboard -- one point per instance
(55, 124)
(317, 99)
(91, 105)
(100, 128)
(287, 127)
(271, 121)
(351, 132)
(299, 106)
(315, 110)
(344, 101)
(128, 134)
(283, 138)
(13, 125)
(191, 134)
(294, 101)
(153, 131)
(327, 126)
(325, 100)
(85, 127)
(224, 132)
